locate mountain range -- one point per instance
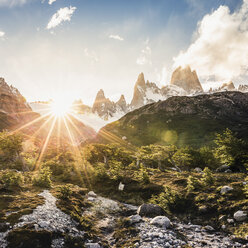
(184, 82)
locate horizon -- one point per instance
(66, 51)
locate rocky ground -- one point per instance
(117, 225)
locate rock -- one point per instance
(222, 217)
(134, 219)
(230, 221)
(186, 79)
(121, 186)
(92, 194)
(203, 209)
(223, 227)
(91, 199)
(209, 228)
(92, 245)
(240, 215)
(161, 221)
(225, 189)
(198, 170)
(150, 210)
(4, 227)
(222, 168)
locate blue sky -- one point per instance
(106, 44)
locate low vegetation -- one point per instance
(164, 175)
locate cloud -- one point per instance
(11, 3)
(220, 47)
(145, 55)
(116, 37)
(63, 14)
(51, 1)
(2, 34)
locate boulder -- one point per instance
(225, 189)
(240, 215)
(91, 194)
(230, 221)
(198, 170)
(134, 219)
(92, 245)
(161, 221)
(150, 210)
(222, 168)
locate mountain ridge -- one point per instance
(182, 120)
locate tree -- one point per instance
(231, 150)
(207, 177)
(10, 149)
(182, 157)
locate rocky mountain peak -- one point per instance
(228, 86)
(103, 106)
(140, 81)
(122, 104)
(186, 79)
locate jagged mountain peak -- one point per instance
(186, 79)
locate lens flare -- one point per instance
(60, 108)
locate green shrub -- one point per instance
(142, 175)
(170, 200)
(65, 192)
(44, 178)
(207, 177)
(192, 183)
(100, 172)
(12, 178)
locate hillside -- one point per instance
(182, 120)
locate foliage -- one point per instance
(65, 192)
(156, 156)
(182, 157)
(142, 175)
(100, 172)
(170, 200)
(231, 151)
(192, 183)
(207, 177)
(43, 179)
(95, 153)
(11, 178)
(10, 149)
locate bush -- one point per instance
(231, 151)
(65, 192)
(12, 178)
(100, 172)
(192, 183)
(44, 178)
(207, 177)
(170, 200)
(142, 175)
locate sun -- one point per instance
(60, 107)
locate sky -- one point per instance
(73, 48)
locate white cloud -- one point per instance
(116, 37)
(51, 1)
(220, 47)
(63, 14)
(145, 55)
(11, 3)
(2, 34)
